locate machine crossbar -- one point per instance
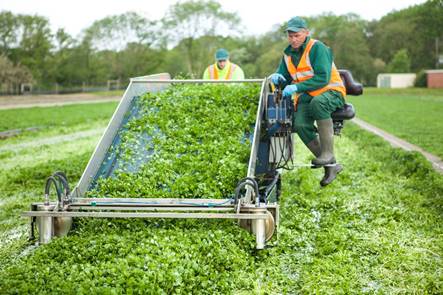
(145, 215)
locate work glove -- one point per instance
(277, 79)
(289, 90)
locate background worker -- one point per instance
(223, 69)
(308, 72)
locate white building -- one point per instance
(387, 80)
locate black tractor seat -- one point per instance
(352, 87)
(348, 111)
(345, 113)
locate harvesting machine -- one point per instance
(255, 204)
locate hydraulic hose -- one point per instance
(60, 182)
(247, 181)
(61, 176)
(52, 180)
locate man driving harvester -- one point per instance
(308, 74)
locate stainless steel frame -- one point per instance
(255, 142)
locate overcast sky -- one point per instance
(257, 16)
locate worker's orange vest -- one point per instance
(213, 73)
(304, 71)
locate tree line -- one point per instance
(184, 41)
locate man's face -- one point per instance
(296, 39)
(221, 63)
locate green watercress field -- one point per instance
(375, 230)
(55, 116)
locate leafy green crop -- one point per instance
(141, 257)
(199, 147)
(375, 230)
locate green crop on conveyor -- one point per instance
(200, 147)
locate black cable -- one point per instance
(291, 149)
(284, 138)
(282, 143)
(289, 144)
(285, 161)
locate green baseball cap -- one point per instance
(296, 24)
(221, 54)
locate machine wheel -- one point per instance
(269, 226)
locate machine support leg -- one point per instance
(44, 229)
(45, 226)
(259, 228)
(32, 221)
(260, 236)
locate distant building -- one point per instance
(434, 78)
(387, 80)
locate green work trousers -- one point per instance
(310, 109)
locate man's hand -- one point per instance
(289, 90)
(277, 79)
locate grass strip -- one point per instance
(411, 114)
(57, 116)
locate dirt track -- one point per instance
(27, 101)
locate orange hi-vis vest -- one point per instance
(304, 71)
(213, 72)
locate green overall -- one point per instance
(310, 109)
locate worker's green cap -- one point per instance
(296, 24)
(221, 54)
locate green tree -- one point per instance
(120, 47)
(414, 28)
(346, 36)
(57, 64)
(63, 40)
(33, 45)
(116, 31)
(187, 21)
(259, 55)
(391, 35)
(76, 65)
(400, 63)
(26, 40)
(137, 60)
(8, 31)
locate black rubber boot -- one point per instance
(330, 174)
(314, 147)
(326, 134)
(330, 171)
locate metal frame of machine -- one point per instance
(255, 213)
